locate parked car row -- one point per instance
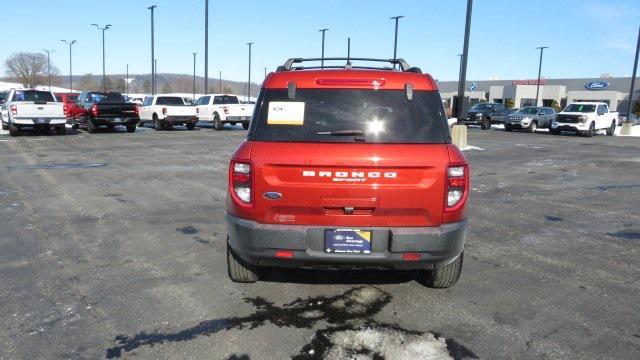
(38, 109)
(582, 118)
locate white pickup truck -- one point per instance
(165, 111)
(219, 109)
(585, 118)
(27, 108)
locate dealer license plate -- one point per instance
(347, 241)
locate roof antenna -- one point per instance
(348, 66)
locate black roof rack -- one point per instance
(404, 66)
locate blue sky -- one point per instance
(586, 38)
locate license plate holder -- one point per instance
(347, 241)
(117, 120)
(40, 121)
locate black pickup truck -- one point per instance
(95, 109)
(484, 114)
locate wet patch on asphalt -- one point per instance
(54, 166)
(350, 312)
(626, 235)
(188, 230)
(616, 187)
(553, 218)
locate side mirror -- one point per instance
(600, 112)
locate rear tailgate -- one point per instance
(245, 110)
(30, 110)
(181, 111)
(123, 110)
(350, 184)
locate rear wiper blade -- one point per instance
(358, 134)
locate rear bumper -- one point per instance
(180, 119)
(115, 121)
(38, 121)
(238, 119)
(257, 244)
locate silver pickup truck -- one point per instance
(33, 109)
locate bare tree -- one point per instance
(87, 83)
(29, 69)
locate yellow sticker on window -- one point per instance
(285, 113)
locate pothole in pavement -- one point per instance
(352, 332)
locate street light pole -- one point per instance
(539, 70)
(127, 80)
(220, 82)
(322, 58)
(153, 70)
(395, 42)
(194, 76)
(348, 51)
(633, 80)
(249, 82)
(70, 43)
(49, 64)
(465, 57)
(155, 67)
(104, 28)
(206, 46)
(265, 73)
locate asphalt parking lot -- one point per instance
(113, 245)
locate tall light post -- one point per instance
(127, 81)
(249, 82)
(460, 69)
(633, 80)
(104, 28)
(153, 56)
(220, 82)
(49, 64)
(460, 109)
(70, 43)
(194, 76)
(323, 31)
(395, 42)
(265, 73)
(541, 48)
(155, 67)
(206, 46)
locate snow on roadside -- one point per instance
(635, 131)
(471, 147)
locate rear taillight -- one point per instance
(14, 109)
(240, 179)
(197, 111)
(164, 111)
(225, 109)
(136, 110)
(65, 109)
(94, 110)
(457, 186)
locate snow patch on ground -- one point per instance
(386, 343)
(635, 131)
(471, 147)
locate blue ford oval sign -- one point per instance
(596, 85)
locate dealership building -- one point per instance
(613, 91)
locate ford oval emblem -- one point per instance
(596, 85)
(272, 195)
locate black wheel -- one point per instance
(111, 127)
(592, 130)
(61, 130)
(13, 130)
(554, 131)
(131, 128)
(533, 126)
(507, 127)
(445, 276)
(5, 126)
(141, 123)
(245, 126)
(156, 123)
(217, 122)
(191, 126)
(91, 127)
(239, 270)
(612, 129)
(485, 124)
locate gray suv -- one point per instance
(530, 118)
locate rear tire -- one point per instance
(445, 276)
(612, 129)
(156, 123)
(91, 128)
(191, 126)
(5, 126)
(61, 130)
(507, 127)
(245, 126)
(131, 128)
(554, 131)
(217, 122)
(13, 130)
(239, 270)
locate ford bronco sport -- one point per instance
(348, 167)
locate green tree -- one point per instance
(87, 83)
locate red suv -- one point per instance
(348, 167)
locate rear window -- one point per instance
(169, 100)
(33, 95)
(348, 115)
(225, 99)
(105, 97)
